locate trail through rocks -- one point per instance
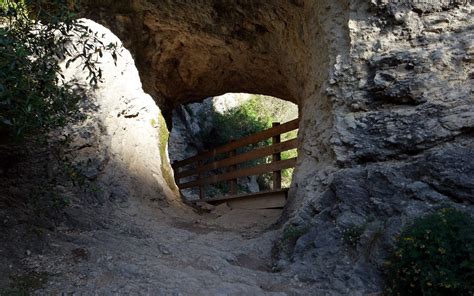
(126, 238)
(148, 251)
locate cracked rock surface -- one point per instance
(385, 94)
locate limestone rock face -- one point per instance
(188, 50)
(385, 91)
(401, 138)
(122, 144)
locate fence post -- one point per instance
(201, 189)
(233, 182)
(276, 157)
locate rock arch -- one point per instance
(383, 130)
(188, 50)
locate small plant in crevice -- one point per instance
(73, 173)
(351, 235)
(434, 256)
(46, 200)
(290, 236)
(293, 233)
(25, 284)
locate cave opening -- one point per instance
(198, 128)
(279, 49)
(182, 60)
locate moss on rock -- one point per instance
(164, 135)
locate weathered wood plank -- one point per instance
(276, 157)
(243, 195)
(271, 201)
(201, 189)
(255, 170)
(233, 182)
(252, 139)
(240, 158)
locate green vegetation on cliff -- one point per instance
(35, 37)
(164, 135)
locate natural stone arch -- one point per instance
(383, 130)
(186, 51)
(195, 49)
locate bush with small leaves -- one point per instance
(35, 37)
(434, 256)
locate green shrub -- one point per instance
(287, 174)
(252, 116)
(34, 38)
(434, 256)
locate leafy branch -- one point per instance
(35, 37)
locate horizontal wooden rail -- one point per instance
(252, 139)
(256, 170)
(240, 158)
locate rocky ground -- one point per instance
(129, 246)
(148, 251)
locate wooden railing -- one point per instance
(207, 161)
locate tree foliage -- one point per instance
(250, 117)
(238, 122)
(35, 37)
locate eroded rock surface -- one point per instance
(385, 90)
(402, 101)
(123, 142)
(187, 51)
(125, 230)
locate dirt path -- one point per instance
(148, 251)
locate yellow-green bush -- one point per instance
(434, 256)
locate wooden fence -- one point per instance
(204, 162)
